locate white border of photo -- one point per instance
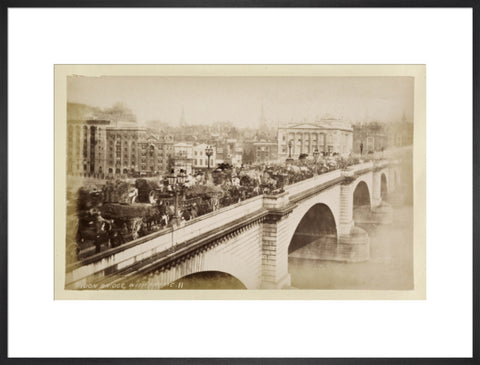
(438, 326)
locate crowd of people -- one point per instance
(119, 212)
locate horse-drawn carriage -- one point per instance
(119, 212)
(108, 216)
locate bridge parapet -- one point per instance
(109, 262)
(382, 163)
(362, 166)
(276, 201)
(220, 217)
(313, 182)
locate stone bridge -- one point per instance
(251, 240)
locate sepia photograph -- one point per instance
(237, 182)
(217, 183)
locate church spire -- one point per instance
(183, 123)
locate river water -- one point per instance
(390, 265)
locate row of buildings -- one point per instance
(372, 137)
(334, 136)
(100, 147)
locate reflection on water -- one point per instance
(390, 265)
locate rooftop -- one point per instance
(323, 123)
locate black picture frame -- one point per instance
(5, 5)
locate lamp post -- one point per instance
(209, 153)
(176, 182)
(315, 156)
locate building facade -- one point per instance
(259, 151)
(166, 149)
(125, 148)
(376, 136)
(97, 148)
(327, 135)
(230, 151)
(200, 158)
(86, 147)
(182, 158)
(369, 138)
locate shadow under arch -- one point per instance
(362, 204)
(383, 186)
(207, 280)
(361, 195)
(318, 223)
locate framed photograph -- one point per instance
(255, 177)
(217, 184)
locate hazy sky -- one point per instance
(239, 99)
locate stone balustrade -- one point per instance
(307, 184)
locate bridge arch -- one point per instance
(361, 194)
(328, 197)
(317, 223)
(207, 280)
(238, 258)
